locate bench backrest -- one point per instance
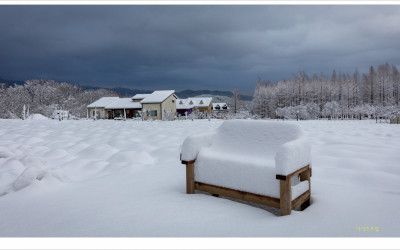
(252, 138)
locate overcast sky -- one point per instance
(193, 47)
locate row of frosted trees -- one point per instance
(44, 96)
(373, 94)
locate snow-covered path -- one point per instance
(116, 178)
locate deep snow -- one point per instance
(116, 178)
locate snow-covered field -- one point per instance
(116, 178)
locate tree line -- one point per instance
(353, 96)
(45, 96)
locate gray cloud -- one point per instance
(216, 47)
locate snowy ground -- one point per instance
(116, 178)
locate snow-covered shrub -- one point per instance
(313, 110)
(302, 112)
(169, 115)
(331, 110)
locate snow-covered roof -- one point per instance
(158, 96)
(102, 102)
(193, 102)
(221, 104)
(122, 103)
(140, 96)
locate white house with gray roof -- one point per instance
(156, 103)
(160, 102)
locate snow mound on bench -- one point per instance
(254, 139)
(193, 144)
(241, 155)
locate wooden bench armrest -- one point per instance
(186, 162)
(299, 171)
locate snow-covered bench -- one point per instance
(264, 162)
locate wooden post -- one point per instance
(285, 196)
(190, 178)
(305, 176)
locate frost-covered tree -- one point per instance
(44, 96)
(235, 101)
(313, 110)
(331, 110)
(379, 87)
(169, 115)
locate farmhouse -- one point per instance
(186, 106)
(157, 103)
(97, 109)
(220, 107)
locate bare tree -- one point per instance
(235, 100)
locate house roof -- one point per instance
(158, 96)
(140, 96)
(122, 103)
(193, 102)
(102, 102)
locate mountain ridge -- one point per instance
(128, 92)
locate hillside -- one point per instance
(192, 93)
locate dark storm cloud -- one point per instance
(216, 47)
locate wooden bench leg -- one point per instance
(306, 175)
(190, 178)
(285, 197)
(305, 205)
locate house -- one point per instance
(220, 107)
(186, 106)
(220, 110)
(395, 120)
(97, 109)
(123, 108)
(159, 102)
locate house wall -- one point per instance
(206, 109)
(101, 110)
(395, 120)
(153, 106)
(168, 104)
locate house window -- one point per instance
(201, 102)
(153, 113)
(173, 101)
(180, 102)
(191, 102)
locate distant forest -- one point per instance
(44, 96)
(375, 94)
